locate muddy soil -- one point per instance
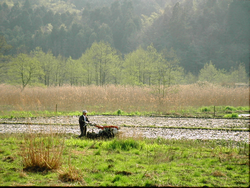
(167, 128)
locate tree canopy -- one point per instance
(125, 42)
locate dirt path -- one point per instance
(163, 126)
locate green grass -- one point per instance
(131, 162)
(233, 115)
(205, 111)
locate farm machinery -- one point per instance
(108, 131)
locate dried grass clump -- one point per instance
(70, 175)
(42, 152)
(218, 174)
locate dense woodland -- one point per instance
(137, 42)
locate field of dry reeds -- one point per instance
(127, 98)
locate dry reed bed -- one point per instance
(127, 98)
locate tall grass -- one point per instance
(127, 98)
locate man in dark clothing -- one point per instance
(82, 122)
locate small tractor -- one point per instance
(106, 132)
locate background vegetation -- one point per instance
(124, 42)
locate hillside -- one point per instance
(198, 31)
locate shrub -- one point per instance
(229, 108)
(119, 112)
(233, 115)
(205, 109)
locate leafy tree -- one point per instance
(24, 21)
(4, 11)
(239, 74)
(115, 11)
(81, 42)
(93, 38)
(37, 23)
(73, 42)
(24, 70)
(47, 62)
(67, 18)
(134, 67)
(238, 29)
(60, 71)
(63, 44)
(116, 70)
(75, 71)
(4, 47)
(105, 34)
(177, 27)
(147, 21)
(48, 17)
(87, 64)
(39, 11)
(102, 58)
(173, 70)
(209, 73)
(139, 66)
(27, 5)
(168, 70)
(14, 14)
(57, 20)
(117, 30)
(55, 40)
(190, 78)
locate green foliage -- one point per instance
(102, 58)
(119, 112)
(48, 65)
(101, 65)
(239, 74)
(28, 114)
(68, 29)
(212, 75)
(229, 108)
(191, 111)
(147, 67)
(205, 109)
(149, 20)
(233, 115)
(74, 71)
(243, 108)
(24, 70)
(124, 145)
(208, 73)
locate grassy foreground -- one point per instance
(39, 159)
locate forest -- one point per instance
(127, 42)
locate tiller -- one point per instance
(108, 131)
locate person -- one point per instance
(83, 119)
